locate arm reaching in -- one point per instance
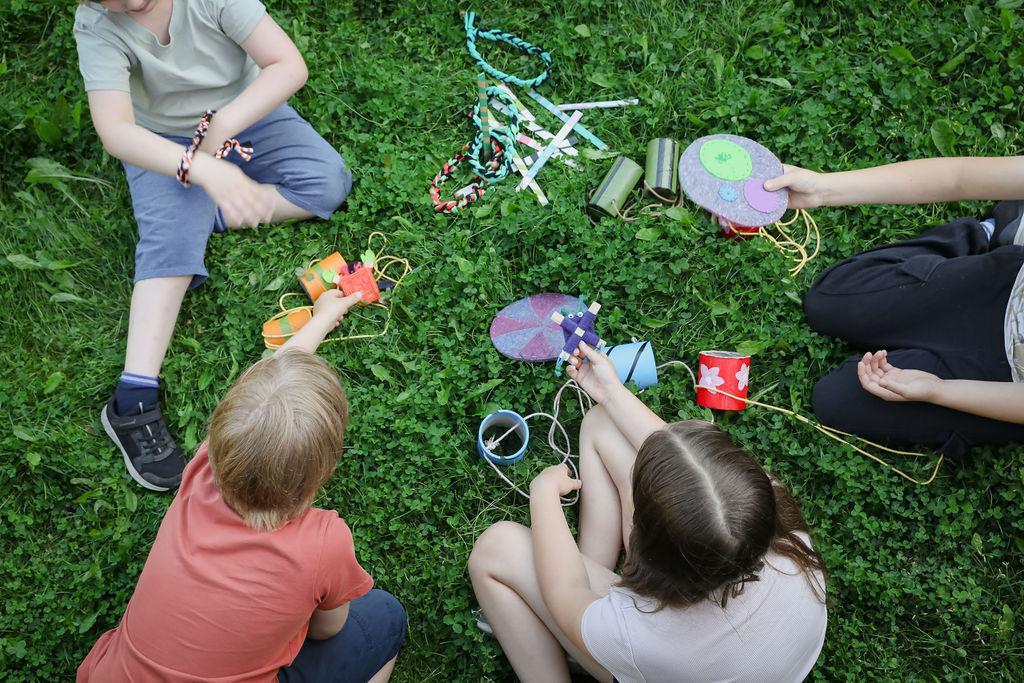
(596, 374)
(944, 179)
(329, 309)
(996, 400)
(561, 573)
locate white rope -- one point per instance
(555, 428)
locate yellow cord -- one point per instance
(381, 264)
(834, 433)
(786, 245)
(789, 247)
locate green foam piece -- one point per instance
(725, 159)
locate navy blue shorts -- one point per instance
(175, 222)
(370, 638)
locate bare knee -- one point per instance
(491, 550)
(597, 418)
(337, 186)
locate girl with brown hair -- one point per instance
(719, 580)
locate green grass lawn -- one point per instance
(925, 581)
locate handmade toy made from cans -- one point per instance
(369, 275)
(660, 183)
(725, 175)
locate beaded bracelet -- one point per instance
(186, 159)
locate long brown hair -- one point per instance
(705, 515)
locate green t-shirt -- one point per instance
(171, 86)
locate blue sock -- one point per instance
(135, 389)
(989, 226)
(218, 222)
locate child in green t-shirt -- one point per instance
(154, 70)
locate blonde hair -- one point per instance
(276, 437)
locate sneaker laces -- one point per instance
(158, 445)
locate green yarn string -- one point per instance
(472, 33)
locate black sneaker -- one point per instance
(1007, 215)
(150, 454)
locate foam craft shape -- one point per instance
(360, 281)
(725, 174)
(523, 330)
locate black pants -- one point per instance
(936, 303)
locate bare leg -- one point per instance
(606, 499)
(154, 310)
(384, 674)
(284, 210)
(505, 582)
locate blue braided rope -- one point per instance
(472, 33)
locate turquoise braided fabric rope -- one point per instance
(503, 139)
(472, 33)
(505, 135)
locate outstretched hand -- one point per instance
(593, 371)
(891, 383)
(806, 188)
(333, 305)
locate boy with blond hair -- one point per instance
(246, 581)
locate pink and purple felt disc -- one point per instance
(523, 330)
(725, 174)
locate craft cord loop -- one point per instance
(472, 33)
(566, 454)
(185, 165)
(190, 149)
(502, 146)
(836, 434)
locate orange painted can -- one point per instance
(279, 329)
(320, 276)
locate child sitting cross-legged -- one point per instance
(719, 580)
(246, 581)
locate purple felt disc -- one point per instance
(759, 198)
(742, 202)
(523, 330)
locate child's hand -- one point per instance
(333, 305)
(597, 376)
(556, 478)
(243, 201)
(806, 188)
(891, 383)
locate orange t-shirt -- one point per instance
(220, 601)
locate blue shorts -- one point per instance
(370, 638)
(175, 222)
